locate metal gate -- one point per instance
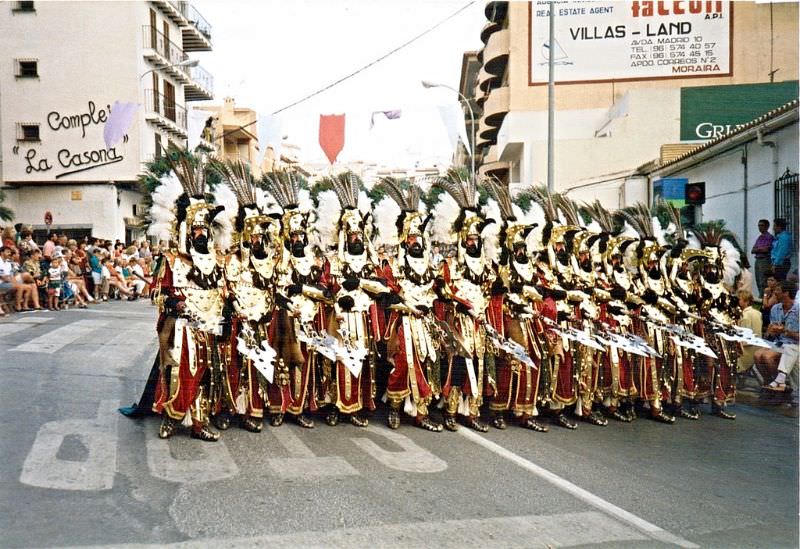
(786, 203)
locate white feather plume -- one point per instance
(364, 203)
(327, 217)
(444, 213)
(658, 232)
(386, 213)
(162, 212)
(225, 222)
(731, 262)
(627, 230)
(491, 234)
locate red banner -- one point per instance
(331, 135)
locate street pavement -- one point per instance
(74, 472)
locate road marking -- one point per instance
(6, 329)
(648, 528)
(204, 462)
(564, 530)
(145, 337)
(412, 458)
(54, 341)
(44, 468)
(121, 313)
(302, 463)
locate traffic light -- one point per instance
(695, 193)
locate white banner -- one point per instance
(603, 41)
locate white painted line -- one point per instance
(22, 324)
(586, 528)
(43, 467)
(599, 503)
(122, 313)
(411, 459)
(144, 336)
(302, 464)
(202, 462)
(54, 341)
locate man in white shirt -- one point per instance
(137, 276)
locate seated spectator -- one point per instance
(137, 279)
(13, 279)
(26, 243)
(9, 237)
(783, 327)
(750, 319)
(33, 266)
(115, 279)
(74, 277)
(49, 246)
(768, 298)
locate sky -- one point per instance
(267, 54)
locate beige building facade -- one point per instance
(624, 77)
(63, 67)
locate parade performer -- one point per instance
(301, 294)
(250, 274)
(412, 348)
(517, 319)
(189, 288)
(354, 285)
(719, 311)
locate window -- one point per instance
(158, 146)
(27, 68)
(23, 6)
(27, 131)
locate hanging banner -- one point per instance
(390, 115)
(614, 41)
(119, 122)
(331, 135)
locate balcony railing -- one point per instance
(194, 17)
(166, 107)
(203, 78)
(156, 40)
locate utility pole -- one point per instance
(551, 94)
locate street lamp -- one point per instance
(426, 84)
(188, 63)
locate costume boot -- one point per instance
(168, 427)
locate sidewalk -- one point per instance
(749, 392)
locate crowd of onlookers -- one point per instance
(62, 272)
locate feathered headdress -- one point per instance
(512, 232)
(190, 172)
(407, 195)
(284, 186)
(602, 216)
(723, 246)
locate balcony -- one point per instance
(487, 133)
(496, 106)
(495, 54)
(195, 29)
(496, 11)
(197, 33)
(200, 86)
(488, 29)
(163, 112)
(486, 80)
(164, 54)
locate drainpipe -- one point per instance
(746, 192)
(774, 147)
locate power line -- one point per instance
(362, 69)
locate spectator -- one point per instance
(137, 278)
(115, 278)
(10, 238)
(61, 244)
(144, 250)
(54, 283)
(750, 319)
(780, 255)
(96, 268)
(33, 266)
(50, 246)
(761, 251)
(768, 299)
(82, 256)
(74, 274)
(26, 243)
(436, 257)
(783, 326)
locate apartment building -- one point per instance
(63, 67)
(633, 79)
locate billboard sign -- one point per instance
(708, 112)
(618, 41)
